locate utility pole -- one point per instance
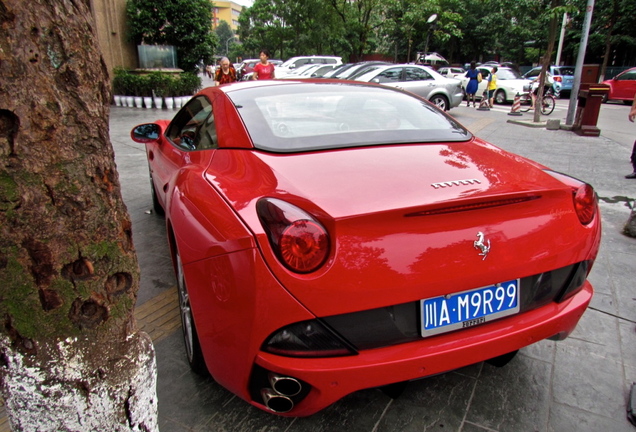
(578, 71)
(561, 37)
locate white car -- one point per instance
(452, 72)
(295, 62)
(446, 93)
(309, 71)
(509, 83)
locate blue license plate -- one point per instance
(469, 308)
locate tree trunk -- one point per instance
(547, 58)
(608, 38)
(71, 357)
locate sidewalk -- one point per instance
(580, 384)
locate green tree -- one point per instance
(291, 27)
(465, 30)
(185, 24)
(225, 35)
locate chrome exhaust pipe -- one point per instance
(284, 385)
(276, 402)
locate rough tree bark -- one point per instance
(545, 63)
(71, 357)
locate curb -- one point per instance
(552, 124)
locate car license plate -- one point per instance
(469, 308)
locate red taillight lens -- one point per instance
(299, 241)
(583, 197)
(558, 78)
(585, 203)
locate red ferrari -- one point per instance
(622, 87)
(333, 236)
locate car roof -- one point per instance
(382, 68)
(252, 100)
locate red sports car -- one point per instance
(333, 236)
(622, 86)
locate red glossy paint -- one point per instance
(402, 222)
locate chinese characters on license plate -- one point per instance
(469, 308)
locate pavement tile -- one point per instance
(513, 398)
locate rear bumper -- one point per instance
(333, 378)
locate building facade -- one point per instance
(110, 27)
(227, 11)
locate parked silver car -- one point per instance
(446, 93)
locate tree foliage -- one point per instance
(185, 24)
(465, 30)
(225, 36)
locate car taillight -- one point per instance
(307, 339)
(299, 241)
(583, 197)
(558, 78)
(585, 203)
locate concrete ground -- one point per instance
(580, 384)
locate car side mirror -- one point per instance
(376, 80)
(145, 133)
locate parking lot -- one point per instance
(580, 384)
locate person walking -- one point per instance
(263, 70)
(474, 78)
(631, 116)
(226, 73)
(492, 86)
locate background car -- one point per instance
(452, 72)
(509, 83)
(561, 74)
(295, 62)
(423, 81)
(351, 70)
(622, 86)
(246, 67)
(310, 71)
(333, 236)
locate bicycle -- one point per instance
(547, 103)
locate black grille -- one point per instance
(400, 323)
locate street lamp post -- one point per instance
(428, 34)
(227, 45)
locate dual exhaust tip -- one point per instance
(278, 397)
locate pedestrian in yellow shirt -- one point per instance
(492, 85)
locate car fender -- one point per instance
(202, 222)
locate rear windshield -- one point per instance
(564, 71)
(303, 117)
(508, 74)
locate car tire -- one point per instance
(500, 97)
(156, 206)
(190, 335)
(440, 101)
